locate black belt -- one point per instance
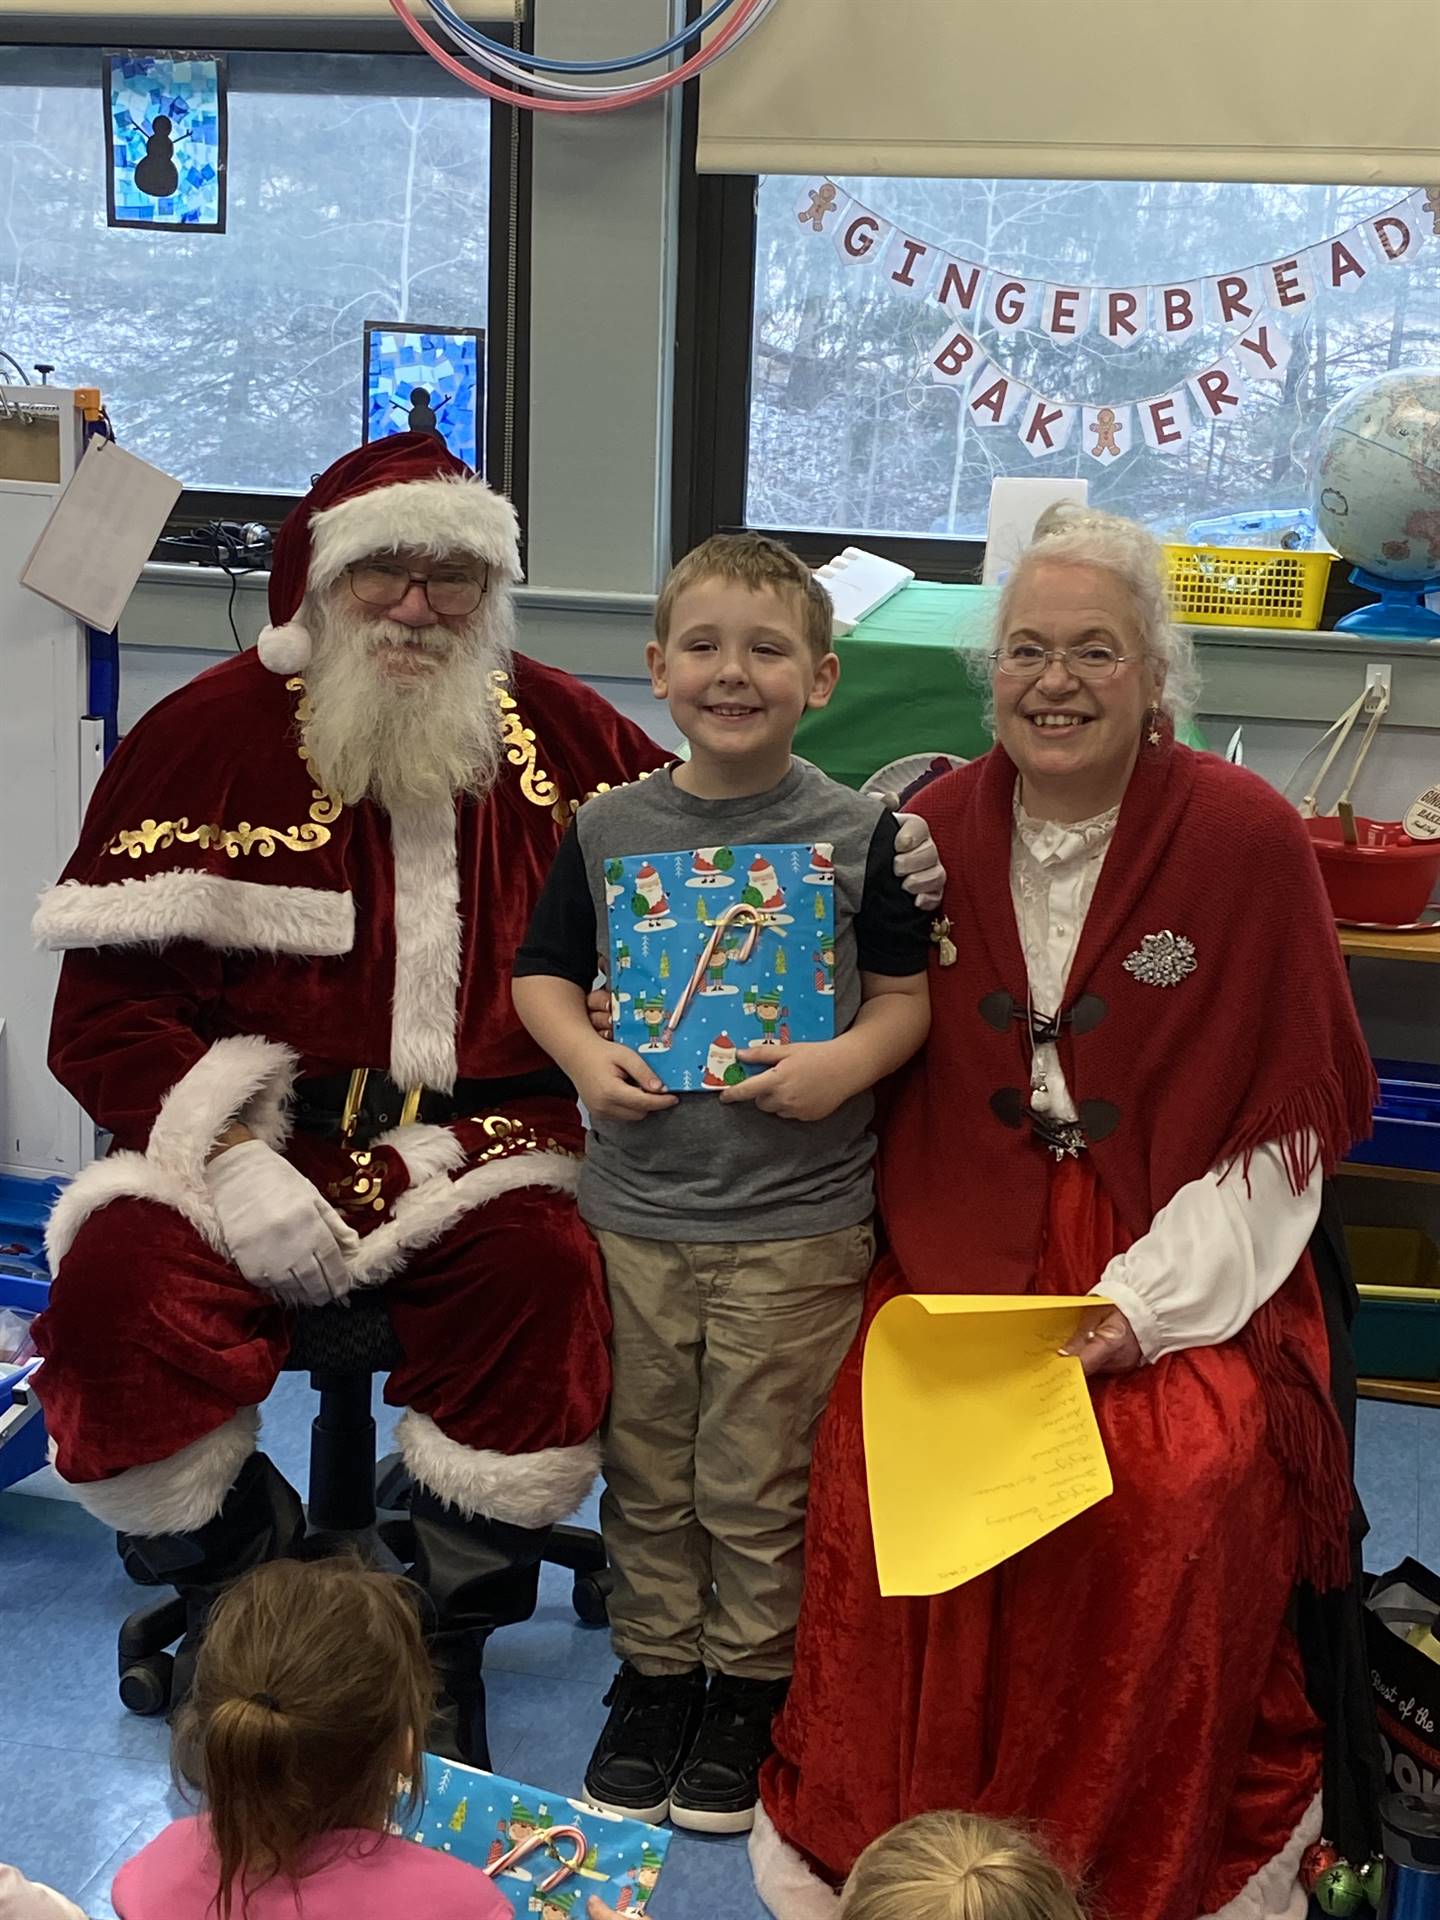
(320, 1103)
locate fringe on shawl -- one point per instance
(1314, 1128)
(1306, 1434)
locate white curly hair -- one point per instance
(1073, 535)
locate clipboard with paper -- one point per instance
(980, 1437)
(715, 949)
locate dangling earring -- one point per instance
(1152, 726)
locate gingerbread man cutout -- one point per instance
(1432, 207)
(1103, 428)
(822, 201)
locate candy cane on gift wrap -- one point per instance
(547, 1841)
(731, 917)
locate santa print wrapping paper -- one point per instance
(546, 1854)
(685, 992)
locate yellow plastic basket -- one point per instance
(1247, 586)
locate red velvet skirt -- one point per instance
(1128, 1686)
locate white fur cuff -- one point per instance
(426, 1212)
(242, 1078)
(522, 1489)
(232, 916)
(179, 1494)
(783, 1881)
(426, 1150)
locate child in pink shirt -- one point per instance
(311, 1697)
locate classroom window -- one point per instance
(849, 434)
(359, 190)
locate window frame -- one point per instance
(507, 344)
(713, 380)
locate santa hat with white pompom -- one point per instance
(406, 492)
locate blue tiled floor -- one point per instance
(83, 1784)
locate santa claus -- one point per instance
(287, 932)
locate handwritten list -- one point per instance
(980, 1438)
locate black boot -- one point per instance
(478, 1575)
(261, 1519)
(720, 1781)
(644, 1743)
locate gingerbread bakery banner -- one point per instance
(987, 304)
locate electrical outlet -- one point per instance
(1377, 680)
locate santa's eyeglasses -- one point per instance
(453, 591)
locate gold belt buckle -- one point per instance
(354, 1100)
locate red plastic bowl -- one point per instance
(1387, 878)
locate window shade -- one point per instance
(1256, 90)
(182, 24)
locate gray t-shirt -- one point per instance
(706, 1169)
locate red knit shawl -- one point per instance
(1259, 1043)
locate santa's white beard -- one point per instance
(397, 739)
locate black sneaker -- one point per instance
(718, 1785)
(643, 1746)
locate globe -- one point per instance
(1377, 493)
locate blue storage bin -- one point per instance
(25, 1285)
(1407, 1117)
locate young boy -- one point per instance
(734, 1224)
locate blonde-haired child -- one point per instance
(956, 1866)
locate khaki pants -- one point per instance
(725, 1353)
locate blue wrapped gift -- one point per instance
(545, 1853)
(718, 949)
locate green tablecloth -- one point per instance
(903, 688)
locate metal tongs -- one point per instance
(1372, 706)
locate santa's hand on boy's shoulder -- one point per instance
(802, 1081)
(918, 866)
(614, 1083)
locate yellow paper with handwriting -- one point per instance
(979, 1437)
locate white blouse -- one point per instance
(1220, 1248)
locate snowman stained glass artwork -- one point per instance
(426, 380)
(718, 949)
(165, 136)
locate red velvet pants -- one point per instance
(152, 1339)
(1128, 1685)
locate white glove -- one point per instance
(282, 1234)
(917, 861)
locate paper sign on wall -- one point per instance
(94, 544)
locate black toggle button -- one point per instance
(1008, 1106)
(1087, 1013)
(1099, 1118)
(998, 1010)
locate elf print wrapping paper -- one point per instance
(718, 949)
(545, 1853)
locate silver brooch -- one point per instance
(1162, 959)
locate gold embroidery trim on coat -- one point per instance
(520, 747)
(325, 807)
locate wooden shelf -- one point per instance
(1362, 1170)
(1389, 946)
(1411, 1393)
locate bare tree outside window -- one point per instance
(848, 434)
(234, 360)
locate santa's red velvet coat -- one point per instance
(230, 926)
